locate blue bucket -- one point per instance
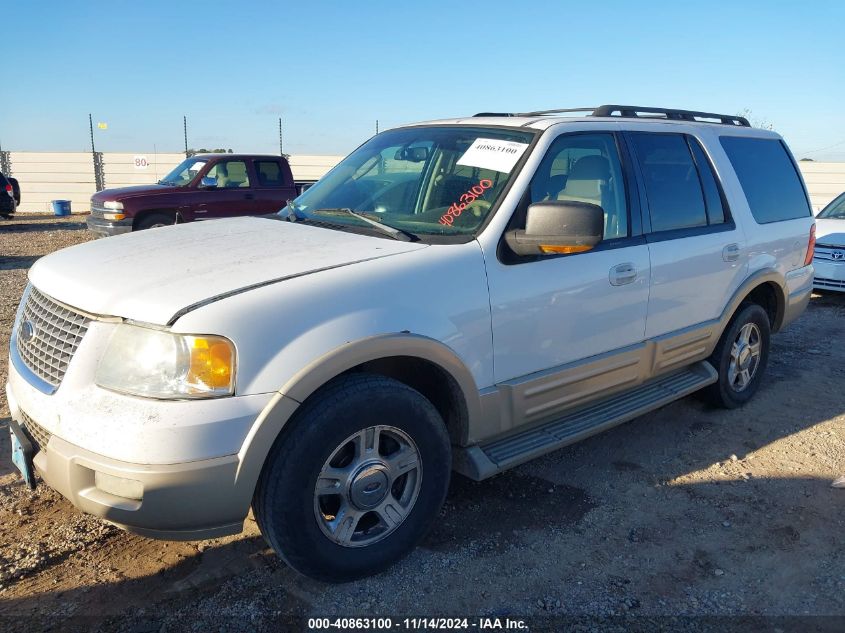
(61, 207)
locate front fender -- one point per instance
(276, 415)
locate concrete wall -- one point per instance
(824, 181)
(70, 175)
(50, 176)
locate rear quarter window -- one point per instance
(768, 177)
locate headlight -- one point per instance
(114, 206)
(161, 364)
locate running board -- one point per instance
(481, 461)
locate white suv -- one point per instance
(464, 294)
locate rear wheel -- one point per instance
(356, 481)
(154, 221)
(740, 357)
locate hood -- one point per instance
(151, 275)
(121, 193)
(830, 232)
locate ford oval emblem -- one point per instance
(26, 331)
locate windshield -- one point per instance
(835, 210)
(423, 180)
(184, 172)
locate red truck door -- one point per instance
(226, 190)
(274, 184)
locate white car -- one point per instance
(829, 260)
(464, 294)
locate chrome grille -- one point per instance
(57, 330)
(829, 253)
(38, 435)
(98, 210)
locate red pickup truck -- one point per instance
(202, 187)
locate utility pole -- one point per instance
(376, 126)
(99, 180)
(5, 163)
(281, 147)
(185, 132)
(91, 130)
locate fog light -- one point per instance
(118, 486)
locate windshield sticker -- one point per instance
(448, 218)
(488, 153)
(197, 165)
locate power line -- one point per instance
(821, 149)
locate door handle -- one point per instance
(730, 253)
(622, 274)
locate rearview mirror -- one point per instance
(412, 154)
(208, 182)
(558, 228)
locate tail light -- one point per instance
(8, 188)
(811, 246)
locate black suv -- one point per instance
(10, 196)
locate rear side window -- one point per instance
(674, 192)
(768, 177)
(269, 173)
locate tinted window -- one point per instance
(672, 187)
(712, 195)
(768, 177)
(269, 173)
(585, 168)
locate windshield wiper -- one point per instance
(392, 231)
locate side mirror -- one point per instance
(208, 182)
(558, 227)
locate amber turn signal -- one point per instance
(563, 250)
(212, 363)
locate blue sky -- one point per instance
(330, 69)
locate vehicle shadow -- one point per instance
(17, 262)
(16, 226)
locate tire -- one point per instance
(306, 528)
(733, 389)
(154, 220)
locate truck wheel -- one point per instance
(154, 220)
(740, 358)
(356, 481)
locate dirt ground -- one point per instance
(688, 511)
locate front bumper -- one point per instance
(187, 501)
(104, 227)
(830, 275)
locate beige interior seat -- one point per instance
(589, 174)
(588, 182)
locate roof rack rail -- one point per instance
(670, 113)
(635, 112)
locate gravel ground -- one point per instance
(688, 511)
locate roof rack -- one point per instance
(636, 112)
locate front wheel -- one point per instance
(154, 221)
(356, 481)
(740, 358)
